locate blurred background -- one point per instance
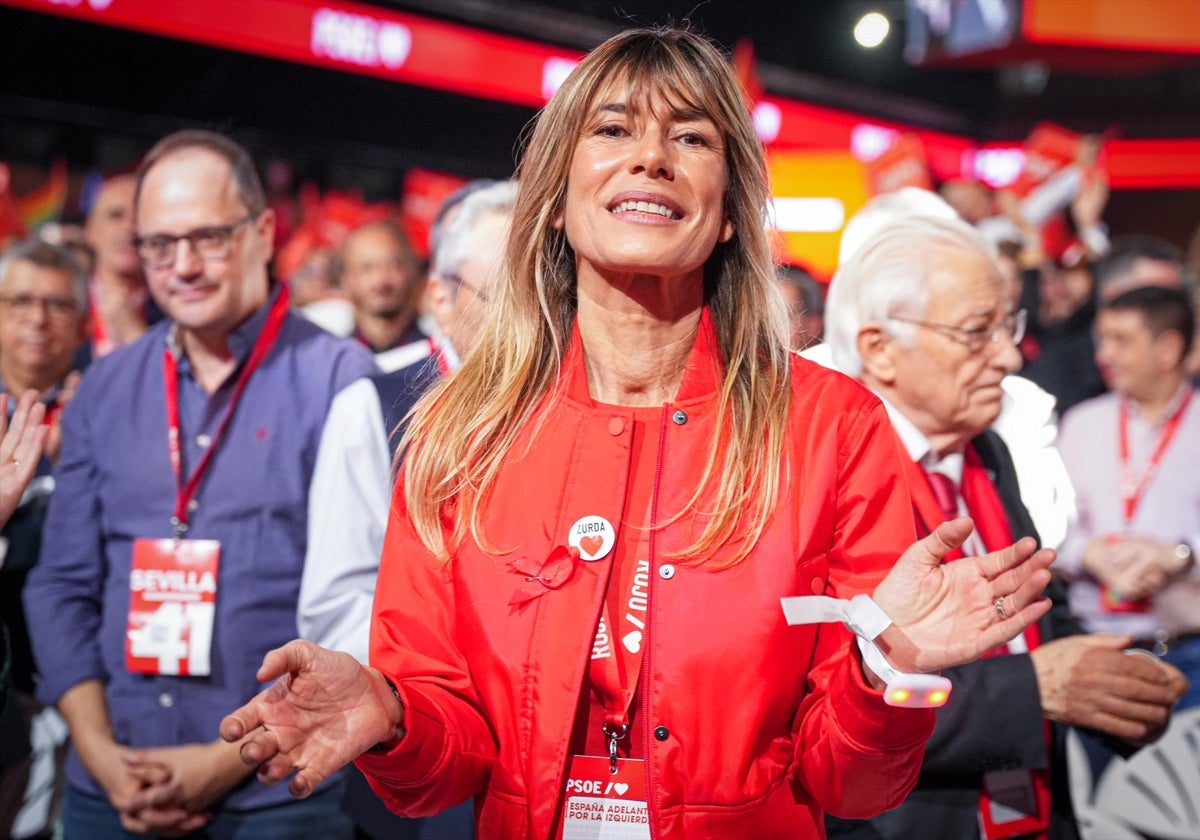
(347, 105)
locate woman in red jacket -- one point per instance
(577, 614)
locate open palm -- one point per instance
(946, 614)
(322, 712)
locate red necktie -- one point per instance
(946, 493)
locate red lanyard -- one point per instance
(616, 676)
(100, 339)
(1132, 486)
(184, 493)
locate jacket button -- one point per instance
(666, 571)
(661, 733)
(818, 585)
(616, 426)
(166, 700)
(680, 417)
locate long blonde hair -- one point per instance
(462, 431)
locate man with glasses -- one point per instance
(43, 298)
(175, 540)
(920, 315)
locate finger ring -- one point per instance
(999, 605)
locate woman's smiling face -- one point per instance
(646, 188)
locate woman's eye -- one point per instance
(610, 130)
(693, 138)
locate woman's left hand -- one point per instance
(946, 614)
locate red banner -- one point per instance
(345, 36)
(407, 48)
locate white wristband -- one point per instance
(867, 620)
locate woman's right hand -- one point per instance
(324, 710)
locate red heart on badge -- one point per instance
(592, 545)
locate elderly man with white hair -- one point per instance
(919, 314)
(1028, 422)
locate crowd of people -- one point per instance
(507, 533)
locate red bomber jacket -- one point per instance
(768, 725)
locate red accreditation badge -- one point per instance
(602, 805)
(172, 601)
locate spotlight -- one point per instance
(871, 30)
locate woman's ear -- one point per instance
(727, 230)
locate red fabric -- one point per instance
(945, 492)
(991, 522)
(768, 725)
(631, 546)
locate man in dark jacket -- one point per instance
(920, 316)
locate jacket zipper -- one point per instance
(644, 679)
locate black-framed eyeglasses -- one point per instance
(977, 338)
(58, 307)
(209, 243)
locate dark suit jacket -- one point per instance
(993, 720)
(399, 391)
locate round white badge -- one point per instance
(594, 536)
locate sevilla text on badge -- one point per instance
(594, 536)
(172, 602)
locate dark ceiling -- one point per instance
(100, 95)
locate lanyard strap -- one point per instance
(97, 327)
(185, 492)
(616, 676)
(1132, 487)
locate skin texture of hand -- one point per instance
(65, 395)
(124, 782)
(1140, 578)
(1132, 567)
(324, 710)
(945, 614)
(199, 775)
(21, 446)
(1090, 681)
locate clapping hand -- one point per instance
(21, 446)
(947, 614)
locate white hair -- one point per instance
(889, 275)
(455, 244)
(886, 208)
(48, 256)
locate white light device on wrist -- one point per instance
(867, 620)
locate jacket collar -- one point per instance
(702, 376)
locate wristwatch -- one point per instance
(1184, 558)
